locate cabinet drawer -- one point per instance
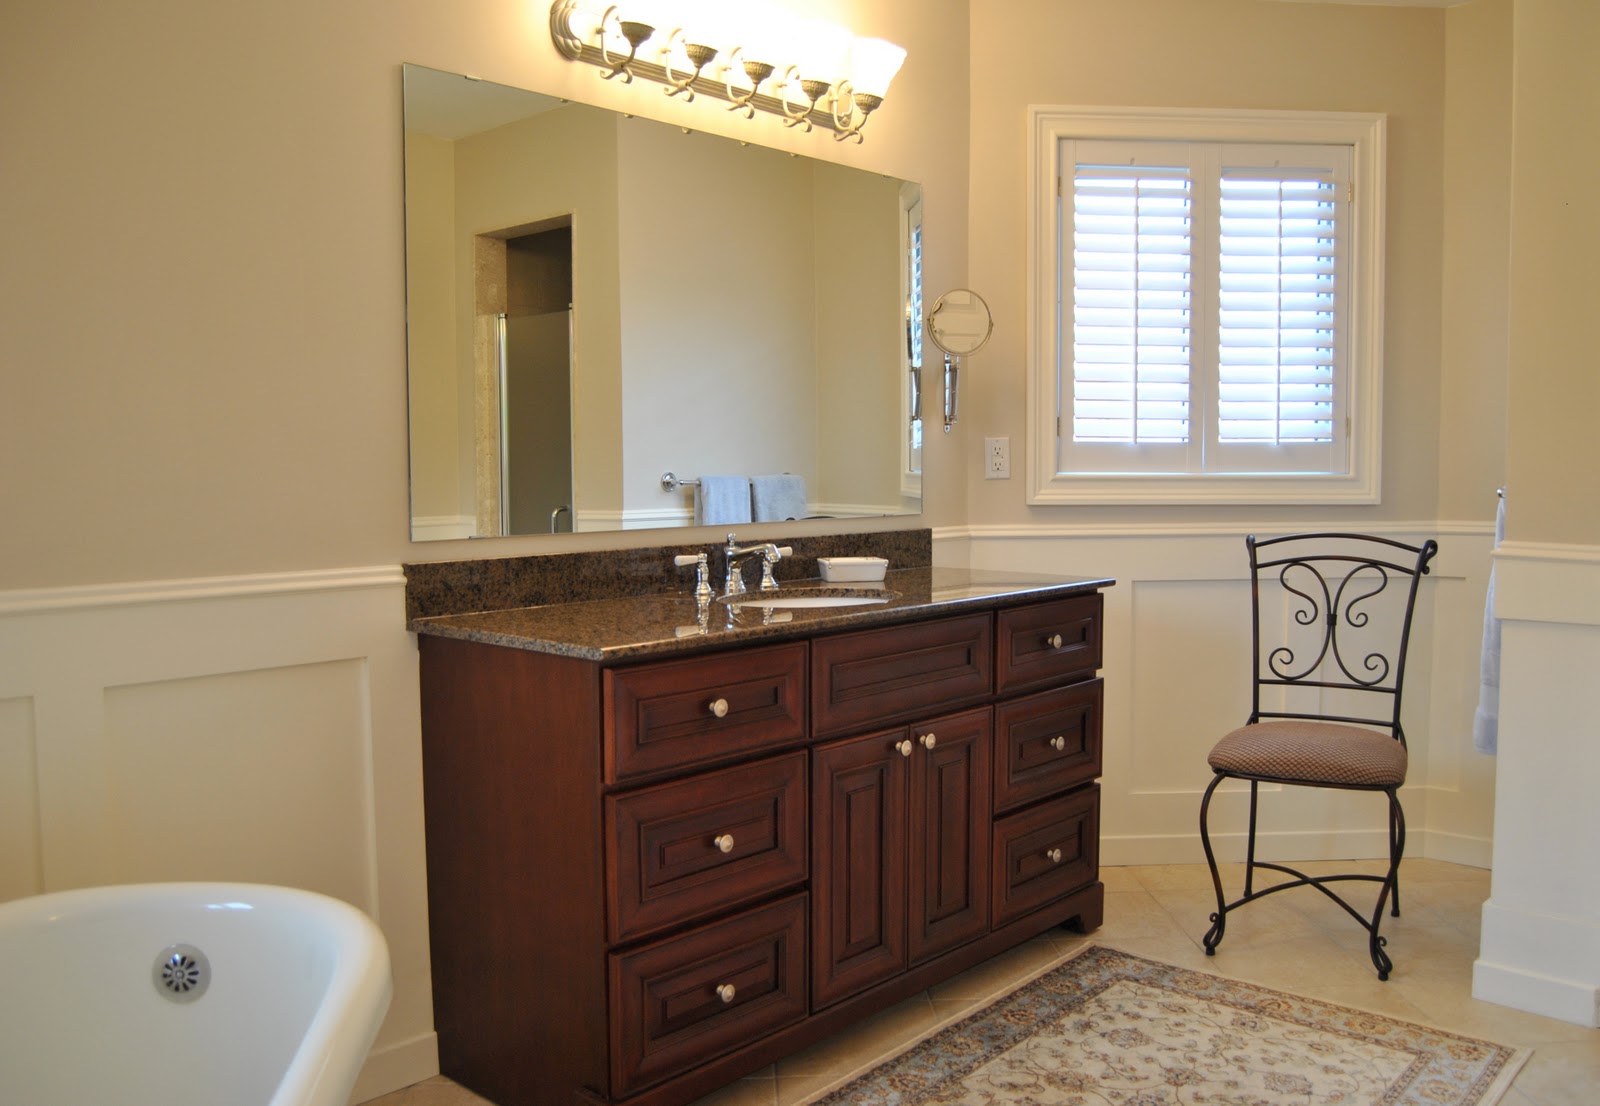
(683, 850)
(1046, 743)
(1045, 852)
(679, 1002)
(678, 714)
(876, 676)
(1048, 642)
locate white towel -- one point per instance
(1486, 721)
(722, 500)
(778, 498)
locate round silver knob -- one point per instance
(1053, 641)
(903, 747)
(1058, 743)
(723, 842)
(1054, 855)
(725, 992)
(928, 740)
(719, 707)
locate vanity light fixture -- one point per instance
(756, 57)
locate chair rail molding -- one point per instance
(1177, 661)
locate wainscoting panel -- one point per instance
(1177, 649)
(20, 873)
(258, 728)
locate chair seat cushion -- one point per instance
(1329, 754)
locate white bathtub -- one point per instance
(94, 1010)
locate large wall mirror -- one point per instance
(596, 300)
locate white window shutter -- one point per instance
(1131, 326)
(1277, 306)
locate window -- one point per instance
(911, 281)
(1205, 291)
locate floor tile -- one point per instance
(1295, 940)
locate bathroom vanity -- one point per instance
(668, 844)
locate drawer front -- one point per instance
(677, 714)
(1044, 853)
(875, 676)
(1048, 642)
(680, 1002)
(678, 851)
(1047, 743)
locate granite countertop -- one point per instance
(659, 625)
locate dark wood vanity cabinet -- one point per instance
(648, 879)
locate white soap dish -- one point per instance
(842, 569)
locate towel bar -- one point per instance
(670, 483)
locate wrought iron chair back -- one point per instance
(1335, 582)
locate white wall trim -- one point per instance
(84, 596)
(1547, 582)
(443, 527)
(1058, 530)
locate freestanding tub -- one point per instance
(187, 994)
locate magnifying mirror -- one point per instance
(959, 324)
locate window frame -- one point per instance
(1049, 287)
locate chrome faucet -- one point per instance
(733, 583)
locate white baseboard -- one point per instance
(1547, 996)
(398, 1065)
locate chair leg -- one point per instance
(1397, 844)
(1391, 882)
(1219, 920)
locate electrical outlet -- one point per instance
(997, 458)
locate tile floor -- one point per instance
(1296, 941)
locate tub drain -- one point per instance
(181, 973)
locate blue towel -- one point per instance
(722, 500)
(778, 498)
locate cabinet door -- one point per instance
(858, 882)
(949, 833)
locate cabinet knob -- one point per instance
(719, 707)
(1054, 855)
(903, 747)
(725, 992)
(1058, 743)
(1053, 641)
(723, 842)
(928, 740)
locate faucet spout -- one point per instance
(733, 582)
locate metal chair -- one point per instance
(1341, 635)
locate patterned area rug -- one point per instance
(1110, 1029)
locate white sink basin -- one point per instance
(778, 602)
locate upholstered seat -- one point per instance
(1309, 752)
(1331, 628)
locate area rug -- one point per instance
(1106, 1028)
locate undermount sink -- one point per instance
(780, 601)
(810, 597)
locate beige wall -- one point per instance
(1477, 248)
(223, 389)
(1225, 54)
(713, 231)
(1553, 462)
(437, 459)
(860, 337)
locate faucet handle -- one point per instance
(769, 558)
(702, 575)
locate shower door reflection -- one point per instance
(535, 354)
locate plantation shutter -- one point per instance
(1276, 306)
(1131, 325)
